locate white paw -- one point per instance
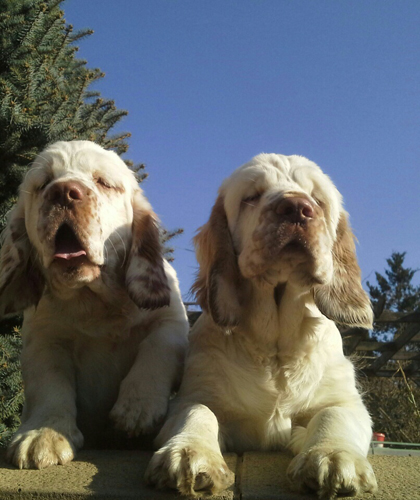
(190, 467)
(136, 413)
(40, 448)
(331, 472)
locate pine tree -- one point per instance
(11, 386)
(394, 403)
(44, 97)
(398, 290)
(44, 90)
(165, 236)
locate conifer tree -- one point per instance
(11, 386)
(44, 90)
(400, 294)
(45, 96)
(394, 403)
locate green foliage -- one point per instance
(11, 386)
(44, 89)
(398, 290)
(165, 236)
(400, 294)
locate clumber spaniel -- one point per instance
(105, 330)
(265, 368)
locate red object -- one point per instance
(378, 436)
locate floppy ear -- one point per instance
(343, 300)
(21, 280)
(219, 287)
(145, 278)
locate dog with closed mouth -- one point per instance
(265, 368)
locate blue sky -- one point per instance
(210, 84)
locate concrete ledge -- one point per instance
(119, 475)
(264, 478)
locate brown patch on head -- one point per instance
(343, 299)
(219, 287)
(146, 280)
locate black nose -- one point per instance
(66, 193)
(295, 209)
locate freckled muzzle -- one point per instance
(286, 222)
(64, 222)
(289, 236)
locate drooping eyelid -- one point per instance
(252, 199)
(43, 184)
(107, 184)
(321, 203)
(103, 182)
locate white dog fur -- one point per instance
(265, 369)
(105, 330)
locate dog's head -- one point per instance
(279, 219)
(80, 214)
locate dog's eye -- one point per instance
(252, 200)
(44, 184)
(320, 203)
(102, 182)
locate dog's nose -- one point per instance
(295, 209)
(66, 193)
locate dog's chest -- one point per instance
(278, 389)
(289, 380)
(296, 380)
(113, 322)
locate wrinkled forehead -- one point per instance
(82, 160)
(282, 175)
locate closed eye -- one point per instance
(252, 200)
(102, 182)
(44, 184)
(108, 186)
(319, 202)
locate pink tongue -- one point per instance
(67, 246)
(69, 256)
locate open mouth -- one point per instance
(67, 246)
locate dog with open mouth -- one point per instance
(105, 330)
(265, 369)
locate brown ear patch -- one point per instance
(146, 280)
(219, 287)
(343, 300)
(21, 280)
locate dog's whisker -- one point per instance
(125, 248)
(31, 170)
(116, 253)
(106, 251)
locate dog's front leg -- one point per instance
(144, 394)
(331, 452)
(48, 434)
(190, 459)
